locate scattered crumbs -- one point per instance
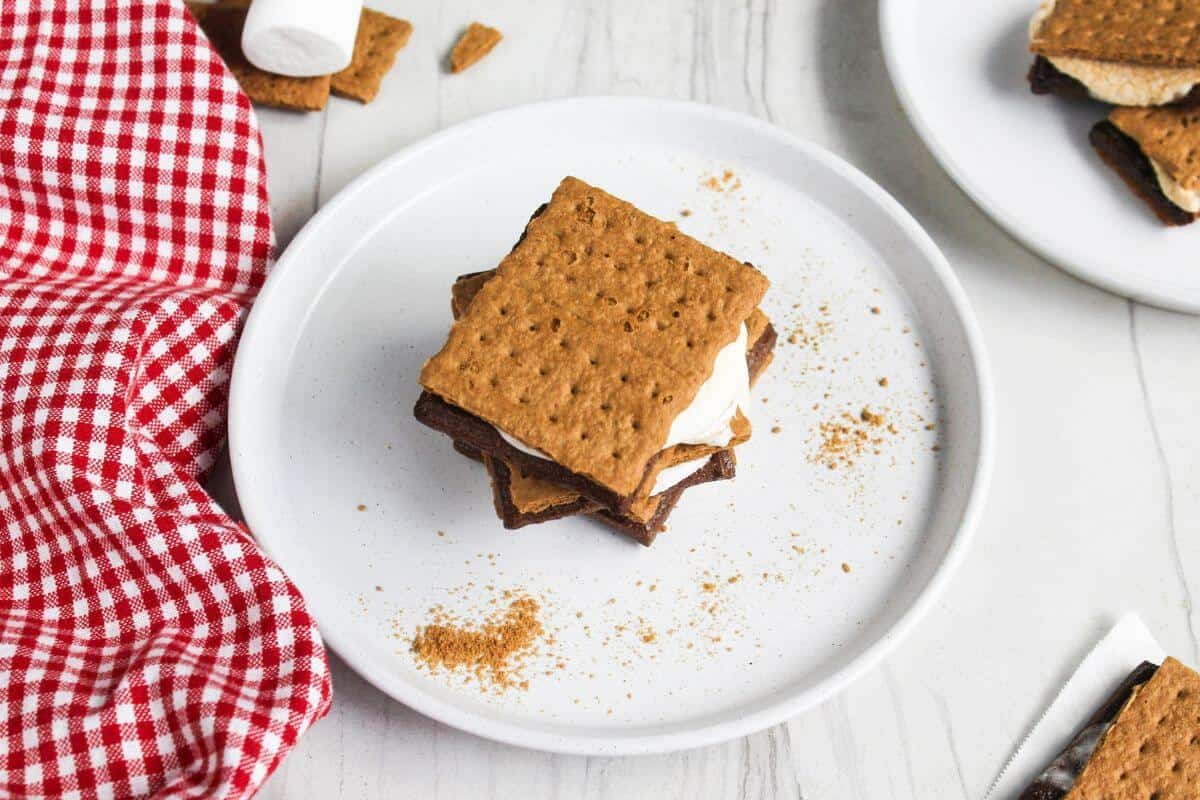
(734, 578)
(378, 588)
(776, 429)
(883, 382)
(875, 310)
(687, 212)
(708, 587)
(845, 567)
(441, 533)
(727, 181)
(362, 507)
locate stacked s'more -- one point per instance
(1144, 58)
(602, 368)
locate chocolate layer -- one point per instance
(507, 510)
(721, 466)
(1045, 78)
(1058, 778)
(1126, 158)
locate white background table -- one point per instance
(1095, 506)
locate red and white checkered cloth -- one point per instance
(147, 647)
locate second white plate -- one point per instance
(742, 613)
(1025, 159)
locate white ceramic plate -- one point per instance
(321, 424)
(1025, 159)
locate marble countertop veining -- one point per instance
(1095, 504)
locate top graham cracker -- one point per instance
(1162, 33)
(1152, 750)
(597, 331)
(530, 495)
(1168, 135)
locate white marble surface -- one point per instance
(1095, 506)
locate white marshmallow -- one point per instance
(301, 38)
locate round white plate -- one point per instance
(741, 614)
(1025, 159)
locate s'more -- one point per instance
(1156, 151)
(607, 347)
(1144, 53)
(1142, 743)
(521, 500)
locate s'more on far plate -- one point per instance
(1123, 52)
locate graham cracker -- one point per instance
(534, 495)
(222, 23)
(475, 43)
(379, 39)
(1152, 750)
(1152, 32)
(598, 329)
(1168, 135)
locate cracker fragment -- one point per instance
(1168, 135)
(1152, 750)
(475, 43)
(379, 39)
(222, 23)
(598, 329)
(1155, 32)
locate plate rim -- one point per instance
(890, 22)
(771, 713)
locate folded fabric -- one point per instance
(147, 646)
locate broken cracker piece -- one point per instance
(475, 43)
(379, 39)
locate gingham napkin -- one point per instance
(147, 647)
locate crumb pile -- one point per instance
(494, 651)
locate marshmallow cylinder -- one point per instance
(301, 38)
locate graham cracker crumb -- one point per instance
(493, 651)
(475, 43)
